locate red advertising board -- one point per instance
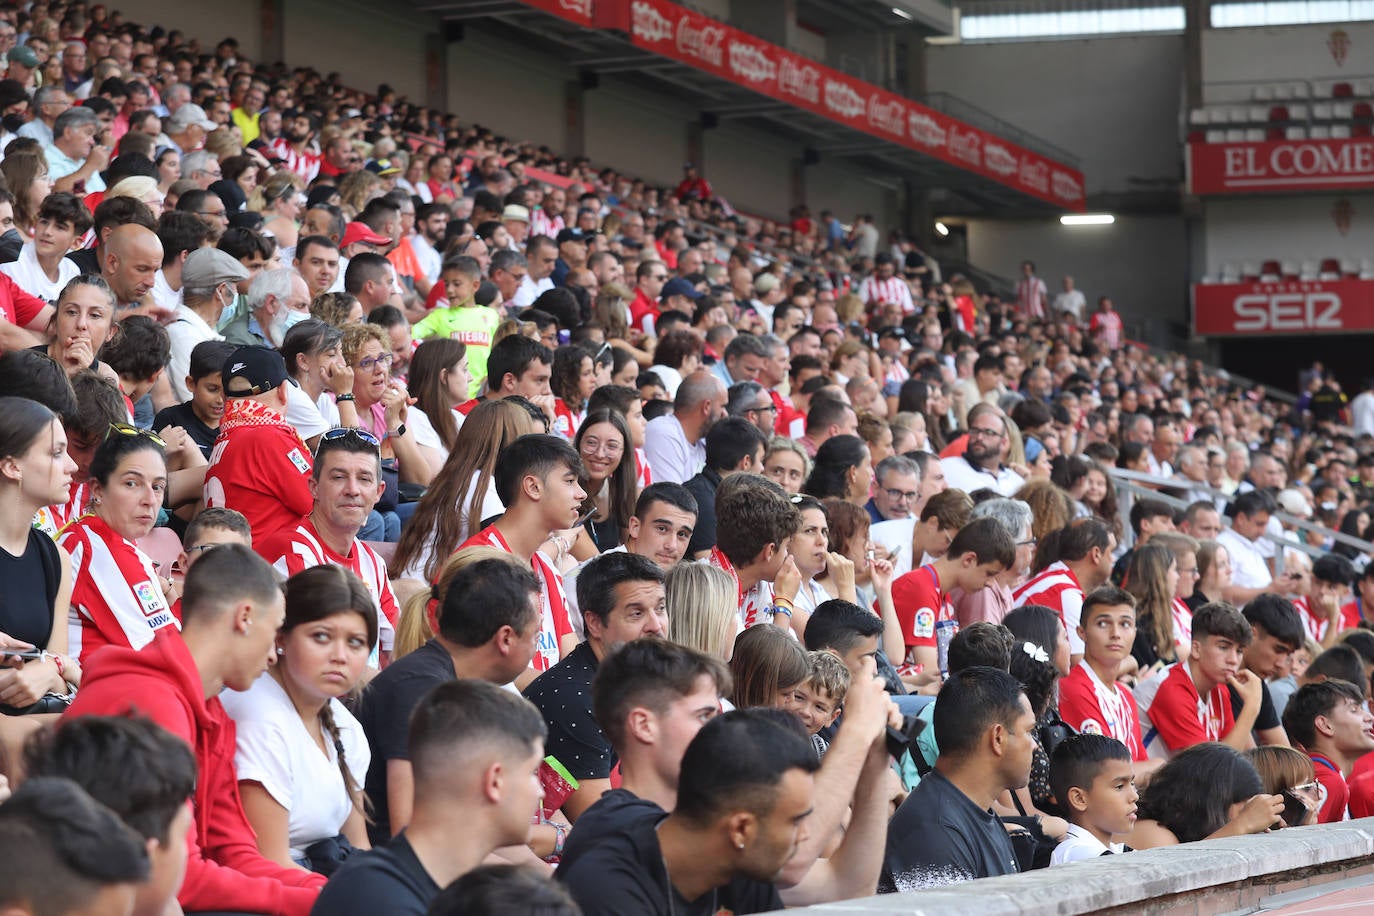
(1281, 166)
(1285, 307)
(578, 11)
(709, 45)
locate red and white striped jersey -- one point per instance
(893, 290)
(541, 224)
(295, 549)
(306, 165)
(52, 519)
(117, 596)
(553, 601)
(1056, 587)
(644, 475)
(1030, 296)
(1315, 622)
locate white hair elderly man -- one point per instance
(277, 299)
(74, 158)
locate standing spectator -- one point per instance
(1032, 297)
(1071, 302)
(1106, 326)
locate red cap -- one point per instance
(362, 232)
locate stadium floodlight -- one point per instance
(941, 229)
(1087, 219)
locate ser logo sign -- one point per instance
(1278, 312)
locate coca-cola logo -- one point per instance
(966, 145)
(582, 8)
(842, 100)
(800, 80)
(1066, 187)
(647, 24)
(703, 41)
(925, 130)
(751, 64)
(886, 115)
(1035, 174)
(998, 158)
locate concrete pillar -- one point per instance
(1196, 14)
(575, 114)
(272, 22)
(436, 71)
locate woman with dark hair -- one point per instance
(84, 320)
(36, 583)
(602, 443)
(117, 596)
(768, 668)
(927, 399)
(26, 177)
(439, 380)
(301, 756)
(311, 350)
(1204, 792)
(1152, 577)
(1035, 668)
(573, 380)
(1041, 627)
(677, 356)
(1099, 498)
(842, 470)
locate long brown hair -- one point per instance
(623, 492)
(1147, 579)
(454, 500)
(428, 386)
(766, 660)
(19, 171)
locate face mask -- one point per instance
(12, 122)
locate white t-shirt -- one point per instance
(275, 749)
(1079, 844)
(28, 274)
(425, 433)
(491, 505)
(303, 413)
(1248, 569)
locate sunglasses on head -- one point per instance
(124, 429)
(349, 432)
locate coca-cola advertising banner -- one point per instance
(723, 51)
(1281, 165)
(1283, 307)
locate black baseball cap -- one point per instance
(252, 370)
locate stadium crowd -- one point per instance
(402, 519)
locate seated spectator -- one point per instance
(842, 469)
(43, 269)
(209, 277)
(472, 749)
(768, 668)
(141, 772)
(517, 365)
(1071, 563)
(1148, 518)
(703, 609)
(898, 484)
(260, 466)
(979, 552)
(754, 520)
(572, 383)
(996, 600)
(345, 483)
(1192, 705)
(439, 382)
(138, 356)
(464, 492)
(1330, 722)
(604, 445)
(787, 464)
(733, 446)
(98, 405)
(35, 593)
(621, 598)
(1290, 773)
(1327, 611)
(117, 596)
(74, 160)
(1206, 792)
(1091, 698)
(942, 834)
(462, 319)
(1092, 774)
(1277, 634)
(744, 764)
(66, 853)
(922, 539)
(981, 464)
(231, 610)
(675, 444)
(492, 639)
(1250, 575)
(201, 413)
(1214, 575)
(306, 807)
(821, 697)
(1152, 578)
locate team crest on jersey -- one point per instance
(925, 623)
(148, 598)
(1091, 727)
(299, 461)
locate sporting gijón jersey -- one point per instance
(553, 602)
(1057, 588)
(117, 597)
(1096, 708)
(301, 547)
(920, 603)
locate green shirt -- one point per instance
(471, 325)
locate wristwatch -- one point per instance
(400, 431)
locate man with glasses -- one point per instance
(209, 206)
(260, 467)
(750, 401)
(899, 486)
(981, 464)
(346, 484)
(202, 168)
(650, 278)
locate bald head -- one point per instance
(132, 258)
(697, 388)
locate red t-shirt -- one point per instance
(920, 603)
(1181, 718)
(1095, 708)
(263, 472)
(16, 306)
(1361, 786)
(1315, 622)
(644, 313)
(1336, 801)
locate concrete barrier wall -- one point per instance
(1199, 879)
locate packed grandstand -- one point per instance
(406, 518)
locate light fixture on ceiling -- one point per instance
(1087, 219)
(903, 14)
(941, 229)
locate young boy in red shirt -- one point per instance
(981, 550)
(1091, 699)
(1192, 704)
(1330, 721)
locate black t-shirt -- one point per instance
(384, 712)
(28, 589)
(623, 872)
(703, 488)
(388, 879)
(610, 814)
(86, 259)
(182, 415)
(939, 836)
(1268, 715)
(564, 697)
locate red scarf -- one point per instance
(244, 412)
